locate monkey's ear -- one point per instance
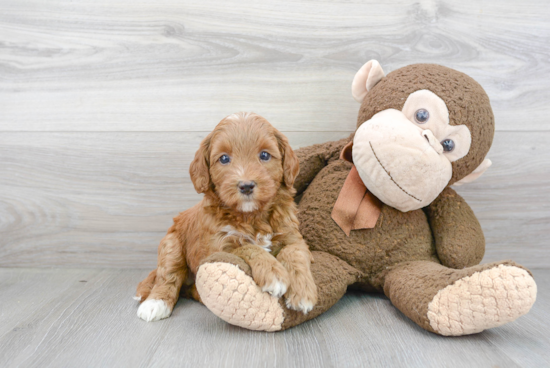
(475, 174)
(347, 152)
(367, 77)
(199, 169)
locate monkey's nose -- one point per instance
(246, 187)
(432, 140)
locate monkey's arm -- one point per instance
(458, 236)
(314, 158)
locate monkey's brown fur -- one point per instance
(446, 232)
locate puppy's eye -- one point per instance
(448, 145)
(421, 116)
(224, 160)
(264, 156)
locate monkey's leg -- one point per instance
(454, 302)
(225, 284)
(190, 292)
(170, 275)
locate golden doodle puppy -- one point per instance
(246, 170)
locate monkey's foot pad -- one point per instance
(483, 300)
(233, 296)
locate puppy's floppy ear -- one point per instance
(291, 165)
(199, 168)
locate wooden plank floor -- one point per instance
(86, 318)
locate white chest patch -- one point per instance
(248, 207)
(261, 240)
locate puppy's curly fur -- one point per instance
(256, 224)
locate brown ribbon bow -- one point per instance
(356, 207)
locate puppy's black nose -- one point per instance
(246, 187)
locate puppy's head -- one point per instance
(244, 162)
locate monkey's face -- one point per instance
(404, 156)
(419, 129)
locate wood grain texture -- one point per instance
(103, 103)
(106, 199)
(512, 199)
(182, 65)
(96, 199)
(75, 318)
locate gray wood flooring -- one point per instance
(86, 318)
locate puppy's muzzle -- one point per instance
(246, 187)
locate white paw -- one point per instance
(276, 288)
(153, 310)
(137, 297)
(304, 306)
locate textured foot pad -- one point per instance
(483, 300)
(233, 296)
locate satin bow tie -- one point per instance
(356, 207)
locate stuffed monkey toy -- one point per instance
(379, 215)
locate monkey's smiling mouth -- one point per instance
(387, 172)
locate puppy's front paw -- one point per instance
(273, 280)
(277, 288)
(153, 310)
(302, 293)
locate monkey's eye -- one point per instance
(224, 160)
(448, 145)
(264, 156)
(421, 116)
